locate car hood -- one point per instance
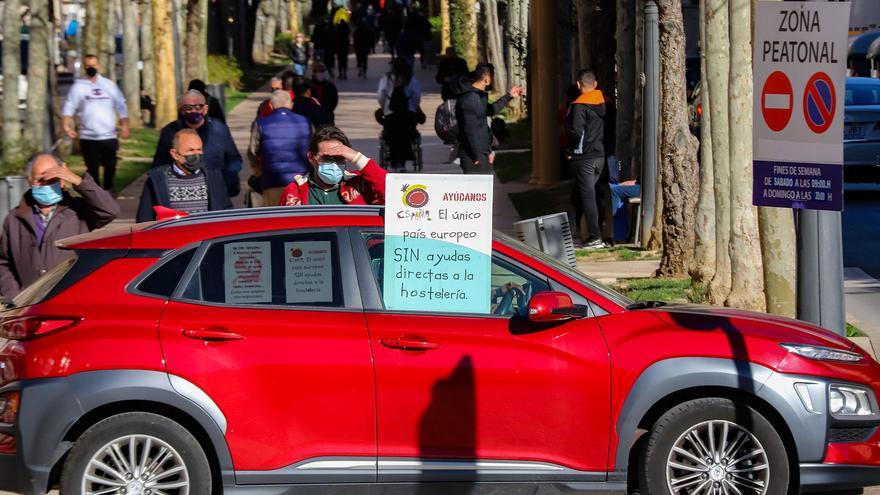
(750, 323)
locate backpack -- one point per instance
(398, 102)
(445, 123)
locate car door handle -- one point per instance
(212, 334)
(410, 344)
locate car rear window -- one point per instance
(65, 274)
(862, 94)
(39, 290)
(164, 279)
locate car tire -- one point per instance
(678, 457)
(174, 462)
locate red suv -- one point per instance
(150, 364)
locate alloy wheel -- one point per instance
(717, 458)
(136, 465)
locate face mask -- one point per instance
(321, 76)
(193, 118)
(91, 71)
(193, 162)
(330, 173)
(47, 195)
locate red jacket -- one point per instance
(365, 188)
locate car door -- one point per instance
(464, 397)
(270, 327)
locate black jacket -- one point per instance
(313, 111)
(156, 192)
(585, 126)
(472, 108)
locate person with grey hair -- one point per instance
(185, 184)
(278, 147)
(219, 148)
(46, 214)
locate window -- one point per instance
(39, 290)
(862, 94)
(511, 286)
(282, 270)
(164, 279)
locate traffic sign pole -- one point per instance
(820, 269)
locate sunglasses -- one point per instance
(198, 106)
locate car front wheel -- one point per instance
(136, 454)
(714, 447)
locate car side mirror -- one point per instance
(548, 307)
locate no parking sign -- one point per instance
(800, 75)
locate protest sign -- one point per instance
(308, 272)
(248, 272)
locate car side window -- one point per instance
(511, 287)
(280, 270)
(165, 278)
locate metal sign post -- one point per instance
(799, 83)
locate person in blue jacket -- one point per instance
(219, 150)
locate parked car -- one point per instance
(174, 358)
(861, 130)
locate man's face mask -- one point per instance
(91, 71)
(192, 163)
(192, 114)
(330, 172)
(47, 195)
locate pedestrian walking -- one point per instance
(392, 26)
(278, 147)
(97, 103)
(399, 95)
(418, 30)
(363, 43)
(45, 214)
(298, 51)
(322, 43)
(585, 127)
(472, 109)
(324, 91)
(219, 151)
(306, 105)
(284, 82)
(339, 175)
(450, 69)
(184, 184)
(342, 43)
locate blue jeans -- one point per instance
(299, 69)
(619, 196)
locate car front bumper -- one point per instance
(822, 478)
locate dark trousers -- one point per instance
(362, 57)
(99, 154)
(587, 173)
(469, 167)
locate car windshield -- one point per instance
(557, 265)
(862, 94)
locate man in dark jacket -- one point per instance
(471, 111)
(220, 152)
(450, 68)
(215, 109)
(184, 184)
(307, 106)
(46, 214)
(585, 128)
(279, 146)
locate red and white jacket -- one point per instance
(366, 187)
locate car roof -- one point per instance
(862, 80)
(179, 232)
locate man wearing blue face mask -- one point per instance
(48, 213)
(339, 175)
(219, 150)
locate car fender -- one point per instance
(669, 376)
(52, 406)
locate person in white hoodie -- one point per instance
(96, 102)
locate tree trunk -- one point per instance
(716, 115)
(518, 52)
(493, 42)
(780, 262)
(678, 147)
(35, 121)
(203, 41)
(95, 29)
(626, 82)
(270, 26)
(635, 169)
(446, 25)
(108, 48)
(293, 13)
(584, 10)
(258, 47)
(464, 31)
(703, 268)
(163, 49)
(193, 40)
(747, 281)
(131, 80)
(11, 70)
(148, 74)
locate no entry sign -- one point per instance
(799, 73)
(777, 101)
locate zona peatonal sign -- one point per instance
(799, 83)
(438, 242)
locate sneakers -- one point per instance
(597, 244)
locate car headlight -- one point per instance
(820, 353)
(849, 401)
